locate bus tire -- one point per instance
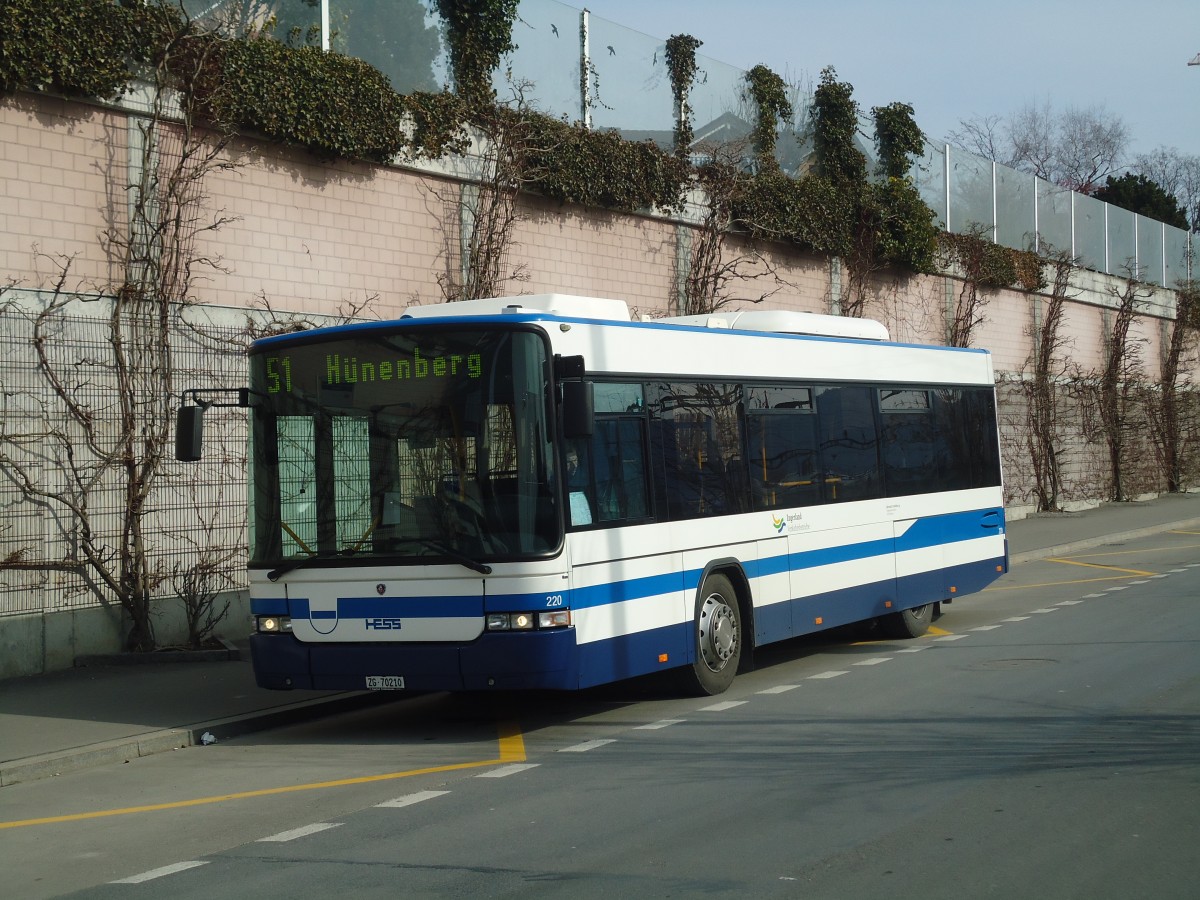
(717, 630)
(908, 623)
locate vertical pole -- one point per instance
(1037, 224)
(325, 25)
(1106, 267)
(1163, 247)
(585, 65)
(1074, 252)
(1137, 250)
(995, 210)
(946, 181)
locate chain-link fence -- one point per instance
(64, 476)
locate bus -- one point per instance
(541, 492)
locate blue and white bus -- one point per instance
(539, 492)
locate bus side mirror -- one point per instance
(578, 409)
(189, 433)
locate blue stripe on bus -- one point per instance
(408, 607)
(630, 655)
(927, 532)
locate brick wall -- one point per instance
(314, 237)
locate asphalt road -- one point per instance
(1042, 742)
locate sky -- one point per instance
(962, 60)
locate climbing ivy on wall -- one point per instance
(77, 48)
(681, 65)
(571, 164)
(835, 124)
(335, 106)
(772, 106)
(479, 33)
(340, 107)
(837, 210)
(897, 138)
(990, 265)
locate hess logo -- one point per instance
(382, 624)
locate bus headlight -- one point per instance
(498, 622)
(273, 624)
(557, 618)
(528, 621)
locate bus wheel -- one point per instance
(908, 623)
(718, 629)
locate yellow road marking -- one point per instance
(1072, 562)
(1135, 552)
(1025, 587)
(933, 631)
(511, 749)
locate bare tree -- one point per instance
(1046, 369)
(507, 143)
(712, 265)
(1119, 381)
(1176, 173)
(969, 254)
(1167, 406)
(1076, 148)
(106, 415)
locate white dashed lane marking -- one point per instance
(410, 799)
(874, 661)
(284, 836)
(723, 705)
(159, 873)
(588, 745)
(661, 723)
(833, 674)
(505, 771)
(779, 689)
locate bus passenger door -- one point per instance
(920, 562)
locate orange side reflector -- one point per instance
(999, 568)
(662, 657)
(953, 590)
(820, 620)
(887, 604)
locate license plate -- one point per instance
(385, 682)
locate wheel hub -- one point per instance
(718, 632)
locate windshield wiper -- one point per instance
(450, 553)
(435, 545)
(284, 568)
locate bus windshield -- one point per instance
(419, 445)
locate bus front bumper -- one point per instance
(543, 660)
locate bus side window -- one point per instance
(619, 457)
(698, 443)
(784, 470)
(849, 444)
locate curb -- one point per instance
(123, 750)
(1099, 541)
(230, 653)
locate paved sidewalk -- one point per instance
(57, 723)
